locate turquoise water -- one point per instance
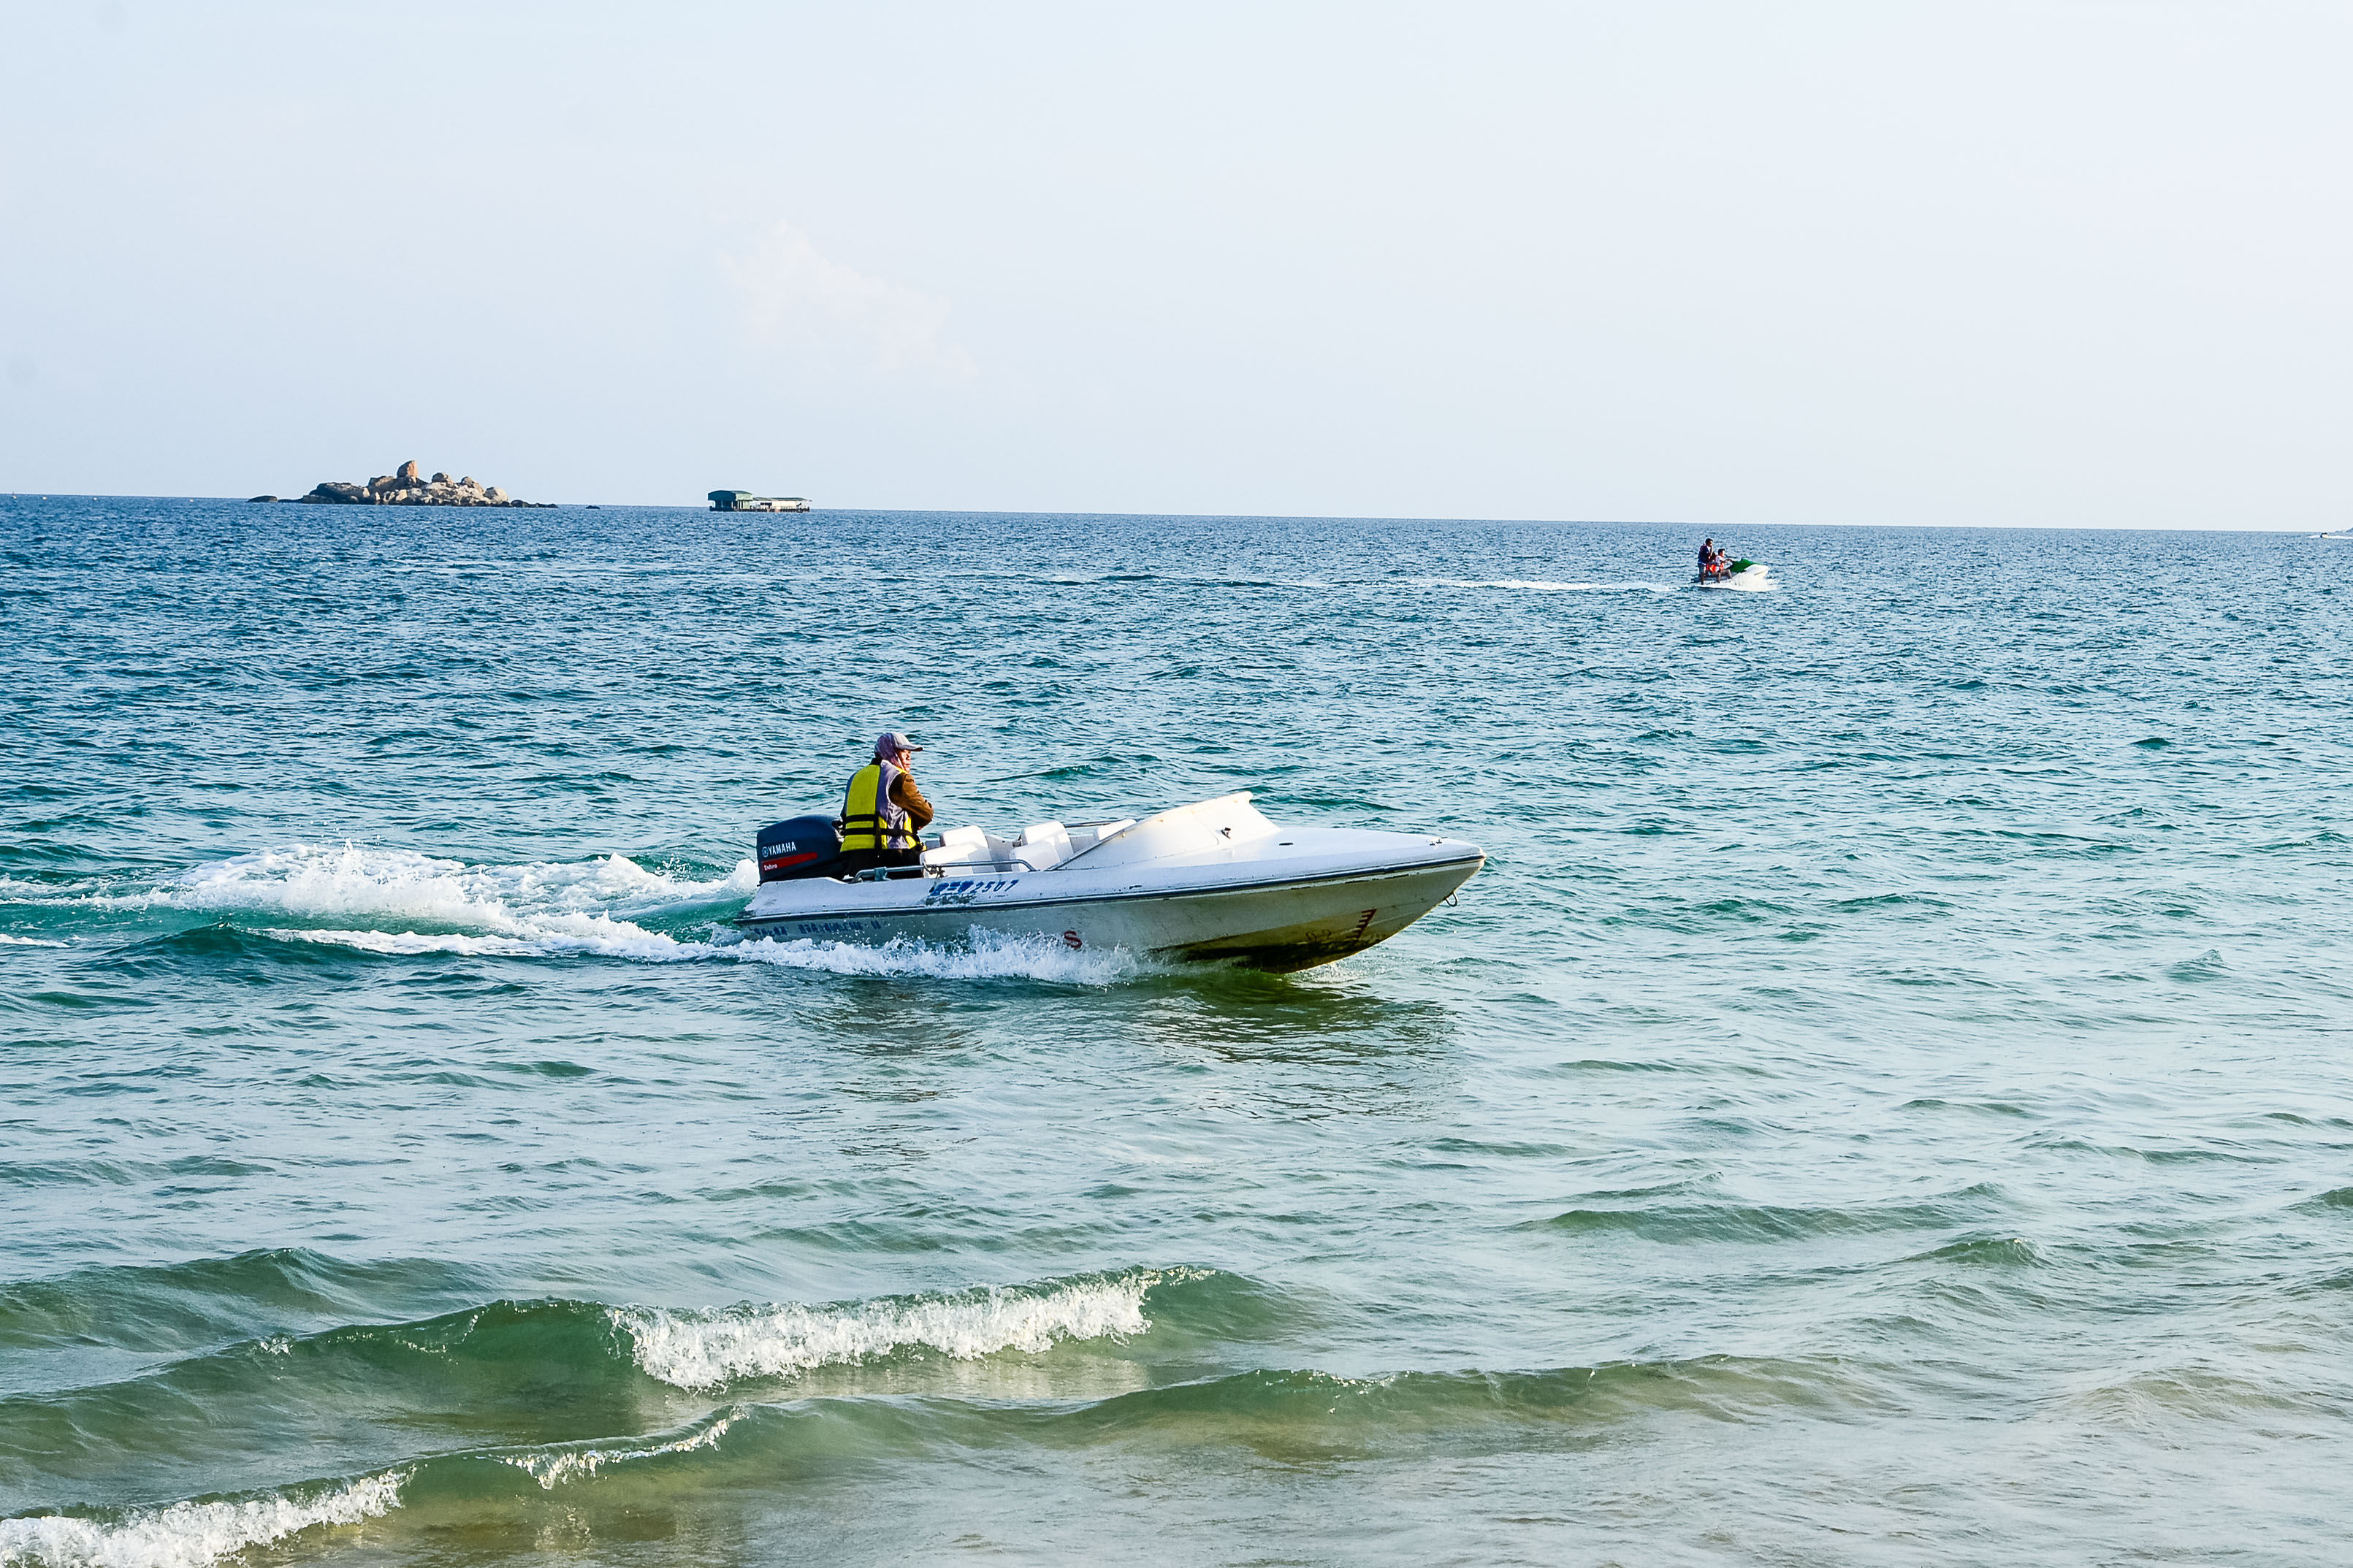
(1884, 1102)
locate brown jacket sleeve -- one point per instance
(909, 799)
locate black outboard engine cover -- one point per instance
(804, 846)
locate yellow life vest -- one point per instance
(870, 820)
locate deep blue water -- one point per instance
(1886, 1102)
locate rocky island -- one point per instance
(408, 488)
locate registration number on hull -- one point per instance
(947, 894)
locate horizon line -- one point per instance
(1235, 516)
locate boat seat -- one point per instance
(1043, 845)
(959, 845)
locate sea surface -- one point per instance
(1887, 1100)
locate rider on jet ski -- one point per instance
(884, 814)
(1711, 563)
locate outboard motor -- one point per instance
(804, 846)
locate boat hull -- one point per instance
(1282, 923)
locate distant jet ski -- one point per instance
(1214, 880)
(1746, 576)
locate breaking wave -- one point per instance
(192, 1535)
(1296, 1414)
(551, 1467)
(593, 1351)
(712, 1348)
(573, 1364)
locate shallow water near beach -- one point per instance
(1886, 1102)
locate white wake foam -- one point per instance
(18, 891)
(535, 939)
(190, 1534)
(401, 903)
(990, 955)
(987, 955)
(708, 1349)
(1539, 586)
(313, 882)
(29, 941)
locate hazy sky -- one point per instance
(2043, 264)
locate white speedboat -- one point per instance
(1214, 880)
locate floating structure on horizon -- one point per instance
(744, 500)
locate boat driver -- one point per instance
(884, 814)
